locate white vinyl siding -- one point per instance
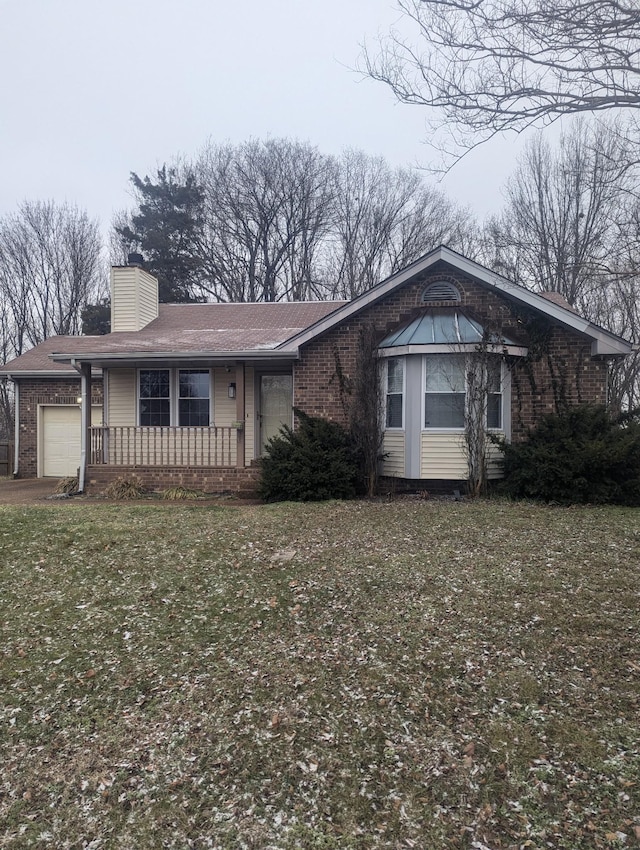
(122, 396)
(444, 456)
(224, 408)
(134, 298)
(393, 447)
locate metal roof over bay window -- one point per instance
(446, 330)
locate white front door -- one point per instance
(276, 406)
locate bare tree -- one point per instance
(492, 65)
(267, 208)
(562, 220)
(384, 219)
(49, 270)
(570, 226)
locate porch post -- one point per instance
(85, 423)
(240, 414)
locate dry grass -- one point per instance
(125, 489)
(173, 494)
(410, 674)
(67, 486)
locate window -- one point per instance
(155, 397)
(444, 391)
(494, 395)
(395, 380)
(170, 397)
(193, 397)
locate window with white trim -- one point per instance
(445, 391)
(174, 397)
(494, 395)
(394, 392)
(155, 397)
(193, 397)
(445, 399)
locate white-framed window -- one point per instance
(194, 393)
(445, 392)
(154, 390)
(174, 397)
(494, 395)
(394, 406)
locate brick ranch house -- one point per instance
(190, 393)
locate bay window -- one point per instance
(394, 392)
(445, 391)
(447, 385)
(494, 395)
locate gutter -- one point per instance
(16, 430)
(187, 356)
(84, 414)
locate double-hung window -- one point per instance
(494, 395)
(174, 397)
(193, 405)
(394, 392)
(155, 397)
(445, 391)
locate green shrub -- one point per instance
(579, 455)
(316, 461)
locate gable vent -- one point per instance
(440, 290)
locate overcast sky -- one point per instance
(92, 90)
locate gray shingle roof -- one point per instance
(186, 328)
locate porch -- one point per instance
(166, 446)
(208, 459)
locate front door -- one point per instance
(276, 401)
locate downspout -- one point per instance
(16, 429)
(84, 422)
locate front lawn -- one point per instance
(403, 675)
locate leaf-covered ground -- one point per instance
(402, 675)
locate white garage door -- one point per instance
(61, 440)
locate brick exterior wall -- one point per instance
(37, 391)
(238, 482)
(559, 368)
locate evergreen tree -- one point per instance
(165, 229)
(96, 318)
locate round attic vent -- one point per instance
(440, 290)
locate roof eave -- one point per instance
(14, 374)
(604, 343)
(110, 358)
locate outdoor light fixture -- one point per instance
(232, 390)
(79, 400)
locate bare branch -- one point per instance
(489, 66)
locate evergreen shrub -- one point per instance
(317, 461)
(577, 456)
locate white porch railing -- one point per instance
(163, 446)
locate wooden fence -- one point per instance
(6, 459)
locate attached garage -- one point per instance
(59, 439)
